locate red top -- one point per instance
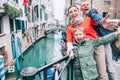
(89, 30)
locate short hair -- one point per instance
(78, 29)
(85, 1)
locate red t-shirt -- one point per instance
(88, 26)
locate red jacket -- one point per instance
(88, 26)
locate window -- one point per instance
(11, 25)
(40, 13)
(23, 27)
(104, 14)
(32, 14)
(28, 9)
(26, 25)
(107, 2)
(36, 11)
(0, 25)
(46, 16)
(25, 9)
(16, 1)
(18, 24)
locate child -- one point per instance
(84, 64)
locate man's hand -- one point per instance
(107, 24)
(71, 54)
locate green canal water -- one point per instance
(43, 51)
(39, 53)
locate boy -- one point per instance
(84, 64)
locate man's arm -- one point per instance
(93, 13)
(110, 25)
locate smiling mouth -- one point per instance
(86, 9)
(79, 39)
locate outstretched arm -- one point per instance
(117, 43)
(110, 25)
(107, 39)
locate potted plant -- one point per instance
(11, 11)
(4, 53)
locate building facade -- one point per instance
(24, 21)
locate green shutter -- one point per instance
(25, 9)
(26, 25)
(40, 13)
(0, 25)
(23, 27)
(18, 24)
(11, 25)
(46, 17)
(16, 1)
(36, 10)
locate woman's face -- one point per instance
(73, 12)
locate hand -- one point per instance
(71, 54)
(57, 67)
(110, 25)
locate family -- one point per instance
(88, 43)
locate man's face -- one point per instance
(78, 36)
(85, 7)
(73, 13)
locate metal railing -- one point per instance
(44, 69)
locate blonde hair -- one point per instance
(78, 29)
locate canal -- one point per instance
(43, 51)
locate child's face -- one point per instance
(85, 7)
(78, 36)
(73, 13)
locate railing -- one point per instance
(50, 65)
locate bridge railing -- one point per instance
(44, 69)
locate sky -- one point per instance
(59, 9)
